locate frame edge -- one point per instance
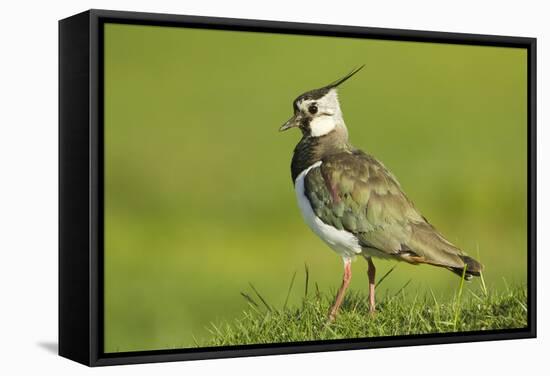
(84, 345)
(74, 161)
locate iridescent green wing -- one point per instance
(353, 191)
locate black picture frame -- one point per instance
(81, 185)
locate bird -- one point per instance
(353, 203)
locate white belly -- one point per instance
(342, 242)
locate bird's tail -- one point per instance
(432, 248)
(473, 268)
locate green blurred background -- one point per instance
(198, 196)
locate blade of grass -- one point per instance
(411, 314)
(249, 299)
(260, 297)
(403, 288)
(482, 280)
(483, 285)
(384, 276)
(521, 304)
(459, 298)
(317, 292)
(307, 278)
(476, 296)
(506, 284)
(195, 341)
(289, 290)
(437, 311)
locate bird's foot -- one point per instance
(372, 301)
(331, 316)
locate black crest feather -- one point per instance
(345, 78)
(319, 93)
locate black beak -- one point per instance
(293, 122)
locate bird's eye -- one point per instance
(312, 109)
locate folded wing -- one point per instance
(355, 192)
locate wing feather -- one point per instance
(355, 192)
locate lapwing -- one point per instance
(354, 203)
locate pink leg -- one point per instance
(341, 292)
(371, 273)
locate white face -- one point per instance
(325, 113)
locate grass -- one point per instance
(472, 308)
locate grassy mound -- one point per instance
(468, 310)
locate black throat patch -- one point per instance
(313, 149)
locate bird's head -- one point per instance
(317, 112)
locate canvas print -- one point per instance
(248, 176)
